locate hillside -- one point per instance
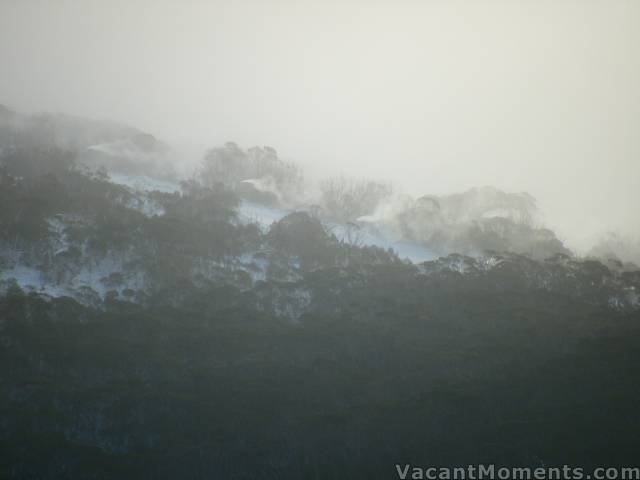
(227, 326)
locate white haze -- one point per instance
(435, 96)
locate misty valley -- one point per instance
(239, 320)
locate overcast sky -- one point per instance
(436, 96)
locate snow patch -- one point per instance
(249, 212)
(370, 235)
(60, 238)
(31, 279)
(142, 183)
(146, 205)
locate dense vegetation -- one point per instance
(426, 370)
(216, 349)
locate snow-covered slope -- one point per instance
(61, 263)
(363, 234)
(356, 234)
(142, 183)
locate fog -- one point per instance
(434, 96)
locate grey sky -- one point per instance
(437, 96)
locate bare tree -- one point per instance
(347, 199)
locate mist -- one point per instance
(435, 97)
(294, 239)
